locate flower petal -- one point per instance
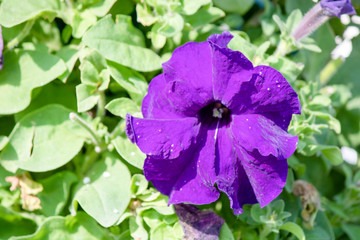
(155, 104)
(191, 63)
(165, 139)
(231, 177)
(256, 132)
(267, 174)
(189, 178)
(222, 40)
(171, 100)
(230, 70)
(336, 8)
(273, 92)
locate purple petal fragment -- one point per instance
(221, 40)
(267, 175)
(273, 92)
(336, 8)
(213, 119)
(198, 224)
(1, 50)
(162, 138)
(196, 183)
(191, 63)
(230, 70)
(190, 177)
(256, 132)
(231, 177)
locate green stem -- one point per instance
(329, 70)
(24, 32)
(281, 49)
(89, 161)
(265, 232)
(74, 117)
(117, 130)
(101, 105)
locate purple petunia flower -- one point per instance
(1, 50)
(213, 122)
(336, 8)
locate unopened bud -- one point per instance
(319, 14)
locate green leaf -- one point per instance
(294, 229)
(145, 15)
(81, 22)
(3, 141)
(352, 230)
(152, 218)
(162, 232)
(87, 97)
(129, 152)
(235, 6)
(288, 68)
(56, 192)
(45, 132)
(225, 233)
(80, 226)
(138, 184)
(204, 16)
(14, 12)
(178, 231)
(190, 6)
(69, 55)
(137, 229)
(13, 224)
(52, 93)
(122, 43)
(133, 82)
(318, 233)
(122, 106)
(171, 25)
(101, 7)
(22, 72)
(239, 43)
(320, 101)
(293, 20)
(333, 154)
(94, 71)
(105, 193)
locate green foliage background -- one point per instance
(74, 68)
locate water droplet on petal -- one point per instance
(137, 183)
(249, 127)
(138, 136)
(268, 89)
(137, 123)
(247, 119)
(116, 211)
(276, 81)
(132, 154)
(172, 145)
(160, 130)
(278, 85)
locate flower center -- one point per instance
(215, 111)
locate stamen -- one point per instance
(216, 130)
(217, 112)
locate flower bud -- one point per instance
(319, 14)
